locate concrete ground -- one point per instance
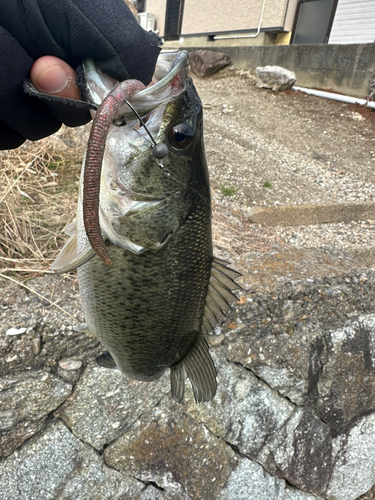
(289, 172)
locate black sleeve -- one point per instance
(105, 30)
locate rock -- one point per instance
(275, 78)
(249, 481)
(55, 464)
(207, 62)
(36, 345)
(357, 116)
(11, 440)
(346, 384)
(15, 331)
(251, 416)
(215, 339)
(70, 364)
(26, 398)
(70, 376)
(288, 363)
(168, 448)
(245, 412)
(114, 403)
(152, 448)
(354, 457)
(293, 416)
(300, 452)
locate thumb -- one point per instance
(51, 75)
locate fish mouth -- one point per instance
(169, 82)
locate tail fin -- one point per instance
(200, 369)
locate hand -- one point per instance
(31, 31)
(53, 76)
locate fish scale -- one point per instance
(163, 296)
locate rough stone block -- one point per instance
(207, 62)
(168, 448)
(26, 399)
(114, 400)
(55, 464)
(275, 78)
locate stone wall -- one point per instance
(347, 69)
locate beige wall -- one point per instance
(212, 16)
(158, 7)
(290, 15)
(216, 16)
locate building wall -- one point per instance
(354, 22)
(218, 16)
(158, 7)
(291, 10)
(214, 16)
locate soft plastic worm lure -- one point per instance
(94, 158)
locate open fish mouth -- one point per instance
(171, 68)
(117, 105)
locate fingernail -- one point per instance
(53, 80)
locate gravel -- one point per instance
(287, 149)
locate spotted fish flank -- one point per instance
(165, 291)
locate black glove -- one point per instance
(105, 30)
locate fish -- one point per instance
(150, 286)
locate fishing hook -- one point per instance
(160, 150)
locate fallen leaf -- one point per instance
(242, 300)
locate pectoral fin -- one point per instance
(68, 251)
(70, 265)
(67, 259)
(201, 371)
(71, 228)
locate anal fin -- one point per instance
(106, 360)
(201, 371)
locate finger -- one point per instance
(51, 75)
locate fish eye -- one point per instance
(180, 136)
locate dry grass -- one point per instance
(38, 190)
(370, 495)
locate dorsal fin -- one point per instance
(219, 293)
(201, 371)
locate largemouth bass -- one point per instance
(165, 291)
